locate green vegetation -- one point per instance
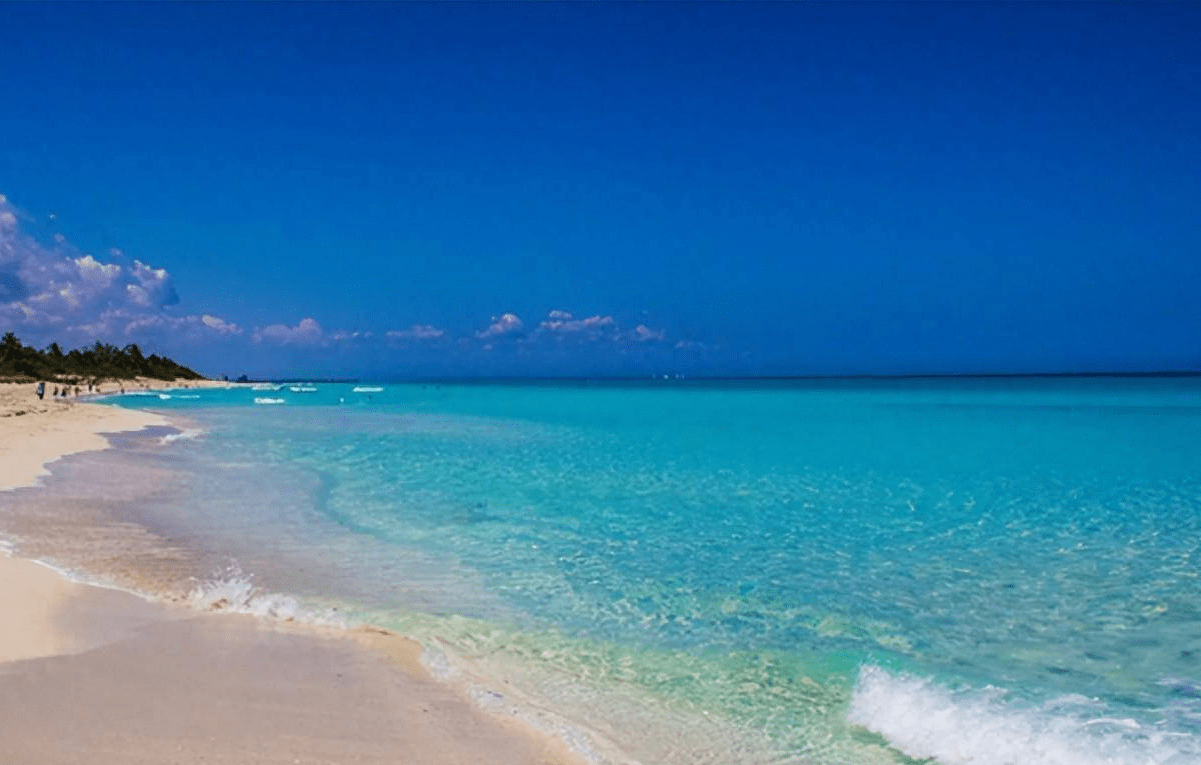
(101, 361)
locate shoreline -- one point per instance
(103, 674)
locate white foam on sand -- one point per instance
(232, 591)
(925, 720)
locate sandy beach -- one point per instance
(89, 674)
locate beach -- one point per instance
(723, 572)
(102, 675)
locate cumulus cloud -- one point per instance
(60, 292)
(146, 324)
(306, 332)
(506, 324)
(416, 332)
(564, 327)
(220, 325)
(644, 334)
(50, 290)
(563, 322)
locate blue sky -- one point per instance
(543, 189)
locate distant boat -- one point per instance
(265, 386)
(367, 389)
(259, 400)
(302, 389)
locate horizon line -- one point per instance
(675, 377)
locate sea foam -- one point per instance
(925, 720)
(232, 591)
(185, 435)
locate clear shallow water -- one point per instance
(975, 571)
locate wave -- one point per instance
(266, 386)
(234, 592)
(261, 400)
(924, 720)
(184, 435)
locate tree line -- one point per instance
(98, 362)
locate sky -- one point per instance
(544, 189)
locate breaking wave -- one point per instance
(185, 435)
(924, 720)
(232, 591)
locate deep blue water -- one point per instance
(975, 571)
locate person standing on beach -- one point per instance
(41, 390)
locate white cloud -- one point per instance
(343, 335)
(120, 323)
(561, 321)
(220, 325)
(50, 290)
(156, 283)
(644, 334)
(204, 325)
(138, 295)
(306, 332)
(507, 324)
(416, 332)
(71, 296)
(564, 327)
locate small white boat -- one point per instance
(265, 386)
(367, 389)
(261, 400)
(302, 389)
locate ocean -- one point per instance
(987, 571)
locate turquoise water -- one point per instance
(973, 571)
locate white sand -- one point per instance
(33, 432)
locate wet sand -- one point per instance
(96, 675)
